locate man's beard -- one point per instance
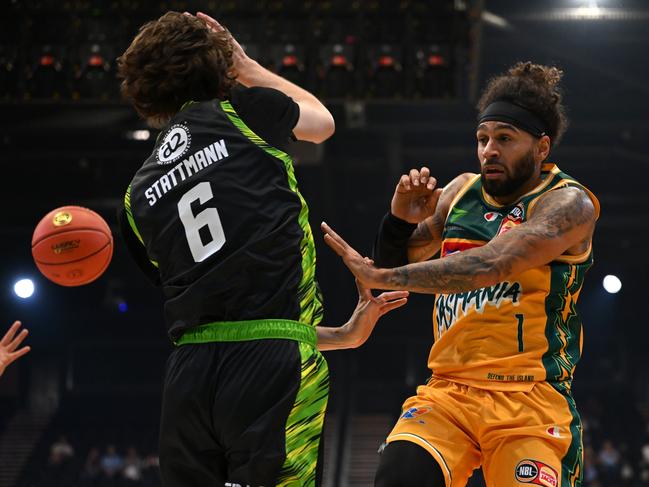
(522, 172)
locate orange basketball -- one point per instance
(72, 245)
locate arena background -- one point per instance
(401, 78)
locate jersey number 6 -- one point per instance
(209, 218)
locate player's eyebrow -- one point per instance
(499, 126)
(503, 125)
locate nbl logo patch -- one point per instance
(175, 144)
(514, 218)
(536, 473)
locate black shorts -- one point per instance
(245, 413)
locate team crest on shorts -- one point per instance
(536, 473)
(413, 413)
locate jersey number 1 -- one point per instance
(209, 218)
(520, 319)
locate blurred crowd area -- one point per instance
(58, 51)
(105, 466)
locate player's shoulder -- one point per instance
(254, 96)
(460, 181)
(453, 188)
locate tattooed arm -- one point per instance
(563, 221)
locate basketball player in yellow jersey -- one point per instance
(514, 244)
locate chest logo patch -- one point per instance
(491, 216)
(175, 144)
(515, 217)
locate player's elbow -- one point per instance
(326, 126)
(316, 124)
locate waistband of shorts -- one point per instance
(239, 331)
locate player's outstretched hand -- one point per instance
(368, 311)
(9, 344)
(362, 268)
(416, 195)
(240, 60)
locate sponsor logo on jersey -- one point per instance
(67, 246)
(536, 473)
(456, 214)
(61, 218)
(491, 216)
(413, 413)
(514, 217)
(450, 307)
(175, 144)
(554, 431)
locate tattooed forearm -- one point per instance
(457, 273)
(560, 220)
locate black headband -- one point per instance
(505, 111)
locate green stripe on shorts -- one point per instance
(305, 422)
(239, 331)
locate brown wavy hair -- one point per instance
(535, 87)
(173, 60)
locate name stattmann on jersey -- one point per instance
(185, 169)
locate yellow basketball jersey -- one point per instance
(517, 332)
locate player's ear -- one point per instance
(543, 147)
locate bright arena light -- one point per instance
(138, 135)
(612, 284)
(24, 288)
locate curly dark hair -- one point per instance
(532, 86)
(172, 60)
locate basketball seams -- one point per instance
(99, 272)
(107, 244)
(108, 233)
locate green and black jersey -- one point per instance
(216, 211)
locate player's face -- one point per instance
(506, 156)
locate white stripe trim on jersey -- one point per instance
(435, 452)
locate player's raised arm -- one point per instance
(9, 351)
(315, 123)
(563, 220)
(412, 230)
(361, 324)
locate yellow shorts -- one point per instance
(519, 438)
